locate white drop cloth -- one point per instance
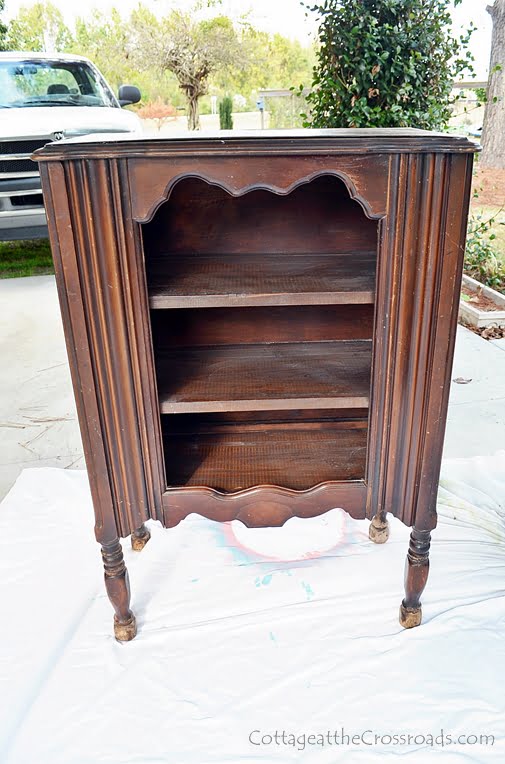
(292, 629)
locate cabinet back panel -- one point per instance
(318, 217)
(230, 326)
(264, 420)
(233, 453)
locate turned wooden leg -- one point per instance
(140, 537)
(378, 531)
(118, 590)
(416, 574)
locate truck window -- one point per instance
(29, 83)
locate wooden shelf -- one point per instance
(207, 281)
(297, 456)
(262, 377)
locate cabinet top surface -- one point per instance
(334, 141)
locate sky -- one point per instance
(285, 16)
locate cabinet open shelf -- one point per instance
(234, 455)
(207, 281)
(261, 377)
(262, 312)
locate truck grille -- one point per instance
(17, 165)
(15, 155)
(27, 200)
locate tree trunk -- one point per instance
(493, 132)
(193, 112)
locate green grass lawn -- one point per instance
(25, 258)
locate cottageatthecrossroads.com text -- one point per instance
(340, 738)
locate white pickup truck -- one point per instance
(46, 97)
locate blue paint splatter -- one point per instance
(308, 590)
(225, 539)
(272, 637)
(263, 581)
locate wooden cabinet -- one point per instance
(260, 326)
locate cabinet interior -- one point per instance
(262, 309)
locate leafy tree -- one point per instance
(225, 113)
(273, 61)
(191, 49)
(288, 61)
(386, 63)
(493, 132)
(39, 27)
(3, 29)
(105, 40)
(108, 41)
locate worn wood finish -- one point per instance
(326, 142)
(378, 530)
(214, 281)
(231, 326)
(139, 538)
(290, 375)
(316, 218)
(416, 576)
(226, 281)
(265, 505)
(231, 457)
(365, 182)
(419, 274)
(117, 585)
(101, 286)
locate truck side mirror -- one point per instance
(128, 94)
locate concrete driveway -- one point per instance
(38, 421)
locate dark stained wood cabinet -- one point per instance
(260, 326)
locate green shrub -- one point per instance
(482, 261)
(386, 63)
(225, 113)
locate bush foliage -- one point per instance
(482, 261)
(225, 113)
(159, 111)
(3, 28)
(386, 63)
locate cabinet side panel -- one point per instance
(79, 355)
(451, 246)
(140, 339)
(386, 323)
(419, 273)
(94, 281)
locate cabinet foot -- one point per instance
(378, 531)
(118, 590)
(410, 617)
(125, 632)
(139, 538)
(416, 575)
